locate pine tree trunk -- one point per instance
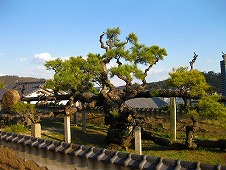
(189, 142)
(120, 134)
(121, 121)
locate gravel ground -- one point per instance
(10, 161)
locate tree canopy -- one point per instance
(131, 60)
(210, 108)
(78, 74)
(192, 81)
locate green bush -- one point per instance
(23, 108)
(1, 85)
(17, 128)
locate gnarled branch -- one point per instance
(102, 43)
(192, 62)
(148, 69)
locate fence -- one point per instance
(85, 157)
(142, 111)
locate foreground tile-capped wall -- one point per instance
(97, 155)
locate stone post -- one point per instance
(84, 121)
(138, 144)
(67, 129)
(76, 118)
(173, 118)
(36, 130)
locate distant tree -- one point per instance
(188, 81)
(78, 75)
(212, 78)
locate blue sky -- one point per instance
(34, 31)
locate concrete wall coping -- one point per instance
(122, 159)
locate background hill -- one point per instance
(8, 80)
(212, 78)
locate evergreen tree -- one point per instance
(78, 75)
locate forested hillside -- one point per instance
(212, 78)
(8, 79)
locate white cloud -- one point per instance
(42, 58)
(22, 59)
(38, 71)
(156, 75)
(64, 58)
(212, 61)
(111, 64)
(116, 81)
(157, 71)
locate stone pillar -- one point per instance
(173, 118)
(138, 144)
(84, 121)
(36, 130)
(67, 129)
(76, 118)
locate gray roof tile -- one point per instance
(154, 102)
(30, 87)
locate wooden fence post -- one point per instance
(36, 130)
(67, 129)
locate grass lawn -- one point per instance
(200, 155)
(96, 132)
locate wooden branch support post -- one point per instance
(84, 121)
(138, 143)
(173, 118)
(76, 118)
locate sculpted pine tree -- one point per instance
(131, 60)
(192, 84)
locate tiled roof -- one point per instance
(30, 87)
(154, 102)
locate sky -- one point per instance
(35, 31)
